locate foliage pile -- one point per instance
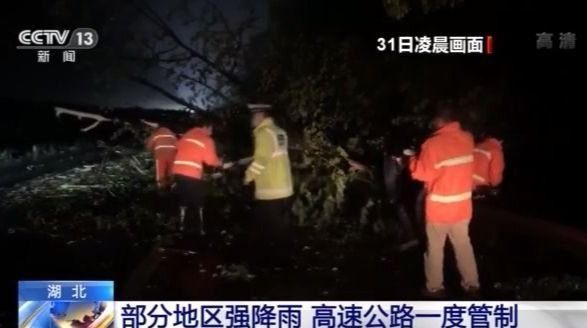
(72, 202)
(331, 116)
(12, 156)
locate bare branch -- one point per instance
(90, 127)
(222, 18)
(161, 24)
(164, 51)
(135, 163)
(151, 124)
(98, 118)
(236, 35)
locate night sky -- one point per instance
(514, 27)
(24, 78)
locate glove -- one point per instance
(227, 165)
(409, 152)
(216, 175)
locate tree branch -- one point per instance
(235, 35)
(169, 95)
(97, 118)
(222, 18)
(149, 124)
(159, 22)
(164, 51)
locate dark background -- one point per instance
(540, 92)
(539, 89)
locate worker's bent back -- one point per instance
(162, 143)
(194, 149)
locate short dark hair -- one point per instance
(445, 111)
(206, 120)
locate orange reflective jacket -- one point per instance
(194, 149)
(489, 163)
(445, 165)
(162, 143)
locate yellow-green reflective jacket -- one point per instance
(270, 168)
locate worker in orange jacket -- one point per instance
(445, 165)
(489, 162)
(162, 143)
(195, 149)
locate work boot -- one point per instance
(435, 294)
(473, 293)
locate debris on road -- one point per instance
(108, 178)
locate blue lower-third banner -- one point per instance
(477, 314)
(60, 304)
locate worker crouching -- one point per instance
(162, 143)
(195, 149)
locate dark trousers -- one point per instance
(191, 193)
(271, 227)
(420, 211)
(407, 225)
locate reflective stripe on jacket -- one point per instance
(270, 169)
(163, 143)
(489, 163)
(445, 165)
(194, 149)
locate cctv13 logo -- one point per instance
(80, 38)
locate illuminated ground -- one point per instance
(105, 221)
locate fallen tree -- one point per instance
(81, 115)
